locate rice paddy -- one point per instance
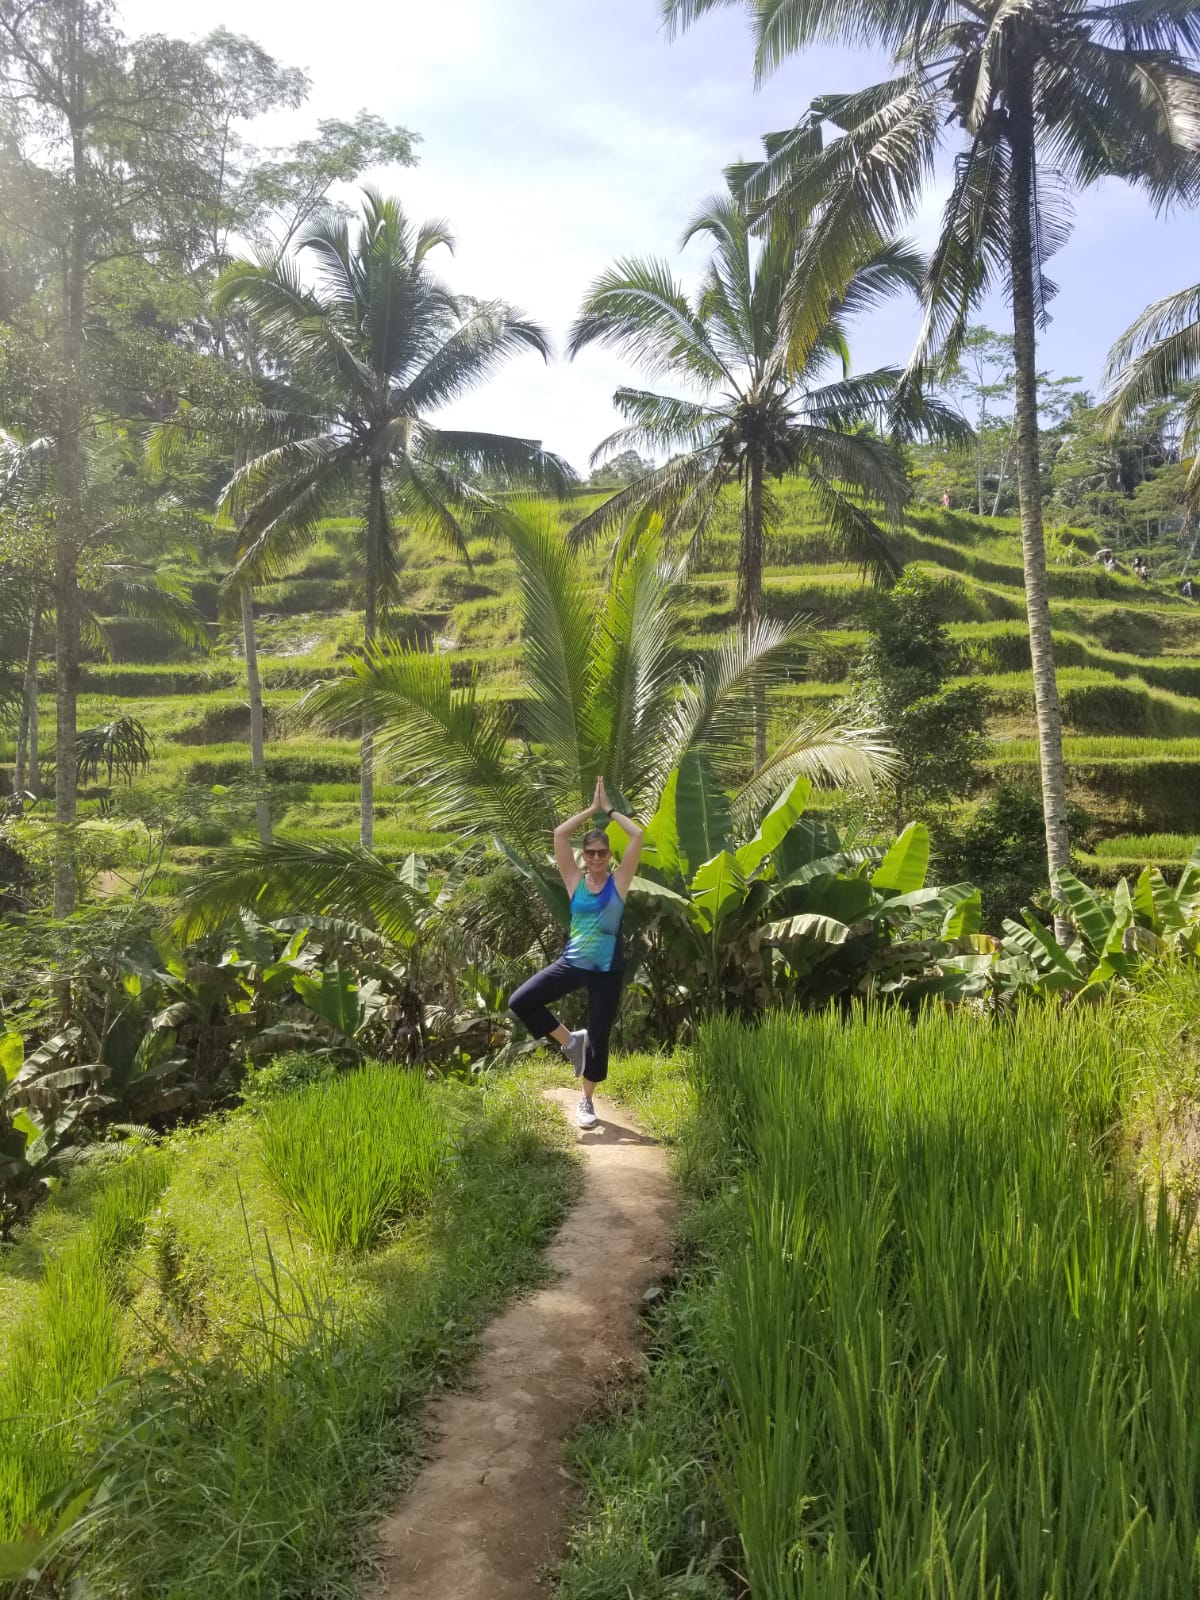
(1129, 674)
(930, 1340)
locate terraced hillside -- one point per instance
(1129, 658)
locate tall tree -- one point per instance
(265, 197)
(764, 349)
(1043, 96)
(105, 136)
(368, 354)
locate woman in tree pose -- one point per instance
(593, 958)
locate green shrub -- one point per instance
(349, 1155)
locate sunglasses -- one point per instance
(597, 855)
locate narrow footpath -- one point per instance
(485, 1517)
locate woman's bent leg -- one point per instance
(604, 1001)
(530, 1003)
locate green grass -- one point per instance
(269, 1389)
(926, 1339)
(351, 1155)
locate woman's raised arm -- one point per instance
(564, 855)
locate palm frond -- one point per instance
(1157, 25)
(1154, 356)
(716, 704)
(637, 307)
(668, 490)
(446, 739)
(971, 250)
(488, 335)
(1111, 111)
(278, 499)
(437, 501)
(558, 627)
(841, 466)
(517, 461)
(161, 599)
(288, 876)
(635, 669)
(827, 753)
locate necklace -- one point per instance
(595, 888)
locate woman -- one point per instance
(593, 958)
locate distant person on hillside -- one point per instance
(593, 959)
(1187, 589)
(1142, 568)
(946, 500)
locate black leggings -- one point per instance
(531, 1001)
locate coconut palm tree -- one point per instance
(761, 410)
(1156, 357)
(368, 354)
(1041, 96)
(773, 394)
(608, 689)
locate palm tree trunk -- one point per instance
(366, 791)
(1029, 480)
(750, 585)
(27, 726)
(68, 534)
(258, 750)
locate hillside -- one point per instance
(1129, 658)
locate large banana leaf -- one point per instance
(964, 918)
(701, 812)
(809, 925)
(550, 890)
(774, 826)
(660, 842)
(904, 867)
(1189, 880)
(718, 887)
(810, 838)
(1087, 911)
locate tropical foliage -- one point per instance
(608, 689)
(788, 914)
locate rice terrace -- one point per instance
(600, 801)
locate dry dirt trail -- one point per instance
(486, 1514)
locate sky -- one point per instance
(560, 135)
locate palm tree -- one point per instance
(1154, 358)
(607, 690)
(367, 355)
(757, 352)
(1044, 96)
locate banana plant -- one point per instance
(1117, 936)
(788, 911)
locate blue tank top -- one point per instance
(595, 938)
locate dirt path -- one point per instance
(487, 1513)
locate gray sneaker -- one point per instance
(586, 1116)
(576, 1051)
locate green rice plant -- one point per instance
(956, 1353)
(66, 1349)
(1147, 846)
(129, 1192)
(350, 1155)
(59, 1361)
